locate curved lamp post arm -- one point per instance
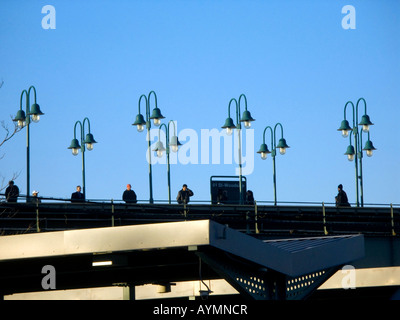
(236, 111)
(354, 115)
(34, 92)
(272, 139)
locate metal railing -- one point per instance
(260, 219)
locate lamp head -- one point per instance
(247, 119)
(365, 123)
(263, 151)
(89, 141)
(156, 116)
(75, 146)
(350, 153)
(35, 112)
(20, 118)
(229, 126)
(159, 149)
(345, 128)
(174, 143)
(139, 122)
(282, 145)
(369, 148)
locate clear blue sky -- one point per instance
(293, 60)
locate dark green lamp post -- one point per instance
(24, 119)
(264, 151)
(356, 152)
(75, 146)
(229, 125)
(140, 122)
(173, 144)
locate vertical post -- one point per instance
(274, 174)
(169, 175)
(83, 169)
(355, 131)
(37, 216)
(150, 170)
(112, 213)
(256, 218)
(360, 170)
(392, 219)
(28, 165)
(324, 218)
(240, 166)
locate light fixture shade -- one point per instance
(35, 110)
(350, 150)
(282, 144)
(229, 124)
(246, 117)
(174, 141)
(89, 139)
(20, 116)
(344, 126)
(74, 144)
(156, 114)
(263, 149)
(369, 146)
(159, 147)
(139, 120)
(365, 121)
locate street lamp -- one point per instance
(356, 151)
(24, 119)
(140, 122)
(75, 147)
(282, 146)
(230, 126)
(159, 149)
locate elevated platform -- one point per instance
(262, 221)
(177, 251)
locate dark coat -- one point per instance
(184, 196)
(129, 196)
(341, 199)
(77, 197)
(12, 193)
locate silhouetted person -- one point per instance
(221, 196)
(184, 195)
(78, 195)
(12, 192)
(129, 196)
(35, 198)
(249, 197)
(341, 198)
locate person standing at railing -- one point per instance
(35, 198)
(78, 195)
(129, 196)
(341, 198)
(249, 197)
(12, 192)
(184, 195)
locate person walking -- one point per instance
(184, 195)
(129, 196)
(12, 192)
(341, 198)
